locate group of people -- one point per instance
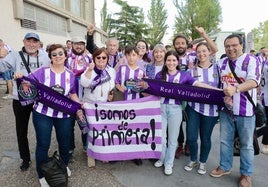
(101, 77)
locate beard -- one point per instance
(78, 53)
(180, 51)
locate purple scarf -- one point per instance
(102, 77)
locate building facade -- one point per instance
(54, 20)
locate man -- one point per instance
(13, 61)
(112, 45)
(78, 62)
(240, 116)
(187, 60)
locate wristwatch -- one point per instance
(237, 89)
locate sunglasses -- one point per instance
(103, 57)
(54, 54)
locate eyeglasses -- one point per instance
(103, 57)
(233, 46)
(141, 47)
(54, 54)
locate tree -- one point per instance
(128, 25)
(191, 13)
(157, 22)
(261, 35)
(105, 18)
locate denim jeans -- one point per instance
(171, 120)
(43, 129)
(204, 125)
(245, 127)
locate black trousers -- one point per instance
(22, 116)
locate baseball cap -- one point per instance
(32, 35)
(78, 39)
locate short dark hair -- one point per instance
(180, 36)
(130, 48)
(53, 47)
(235, 36)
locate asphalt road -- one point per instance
(118, 174)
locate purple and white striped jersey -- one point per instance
(125, 73)
(209, 76)
(181, 77)
(246, 67)
(264, 84)
(65, 81)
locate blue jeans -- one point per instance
(171, 120)
(43, 129)
(204, 125)
(245, 127)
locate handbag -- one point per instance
(237, 144)
(260, 115)
(55, 171)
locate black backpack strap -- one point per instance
(24, 62)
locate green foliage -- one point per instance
(157, 22)
(202, 13)
(128, 25)
(105, 18)
(261, 35)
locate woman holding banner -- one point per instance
(98, 82)
(171, 109)
(62, 80)
(201, 117)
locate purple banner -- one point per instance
(44, 94)
(184, 92)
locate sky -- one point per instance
(236, 14)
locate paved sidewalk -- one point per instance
(118, 174)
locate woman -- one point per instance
(201, 117)
(143, 48)
(171, 109)
(62, 80)
(98, 81)
(157, 63)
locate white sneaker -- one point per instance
(43, 182)
(202, 168)
(168, 170)
(68, 171)
(190, 166)
(158, 164)
(264, 149)
(8, 97)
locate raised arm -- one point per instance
(211, 43)
(91, 46)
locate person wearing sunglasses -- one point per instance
(98, 82)
(62, 80)
(13, 61)
(77, 61)
(144, 59)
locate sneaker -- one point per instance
(8, 97)
(158, 164)
(179, 151)
(245, 181)
(186, 150)
(202, 168)
(25, 165)
(190, 166)
(218, 172)
(168, 170)
(68, 171)
(43, 182)
(264, 149)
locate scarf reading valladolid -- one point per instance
(184, 92)
(46, 95)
